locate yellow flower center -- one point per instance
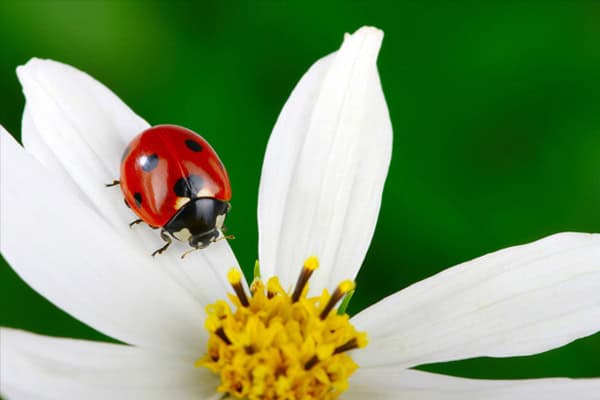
(277, 345)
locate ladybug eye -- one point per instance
(148, 163)
(193, 145)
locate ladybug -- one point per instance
(172, 179)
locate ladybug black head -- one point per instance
(203, 240)
(199, 221)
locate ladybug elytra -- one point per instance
(172, 179)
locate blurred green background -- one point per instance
(495, 108)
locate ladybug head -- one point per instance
(201, 241)
(199, 221)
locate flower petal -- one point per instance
(78, 129)
(397, 383)
(325, 166)
(75, 259)
(35, 145)
(517, 301)
(82, 123)
(41, 367)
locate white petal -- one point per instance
(35, 145)
(78, 129)
(75, 259)
(325, 166)
(396, 383)
(82, 123)
(518, 301)
(41, 367)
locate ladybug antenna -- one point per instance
(229, 237)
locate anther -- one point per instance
(235, 279)
(339, 292)
(309, 267)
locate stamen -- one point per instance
(220, 332)
(309, 267)
(272, 344)
(340, 291)
(311, 363)
(235, 279)
(349, 345)
(273, 287)
(256, 286)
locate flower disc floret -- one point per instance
(277, 345)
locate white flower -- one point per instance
(67, 236)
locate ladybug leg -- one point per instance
(132, 223)
(164, 236)
(113, 183)
(188, 252)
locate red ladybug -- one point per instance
(173, 179)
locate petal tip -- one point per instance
(367, 33)
(36, 66)
(31, 63)
(366, 41)
(23, 71)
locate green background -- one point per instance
(495, 108)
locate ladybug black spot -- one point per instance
(188, 187)
(148, 163)
(125, 153)
(138, 198)
(193, 145)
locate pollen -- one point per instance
(272, 344)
